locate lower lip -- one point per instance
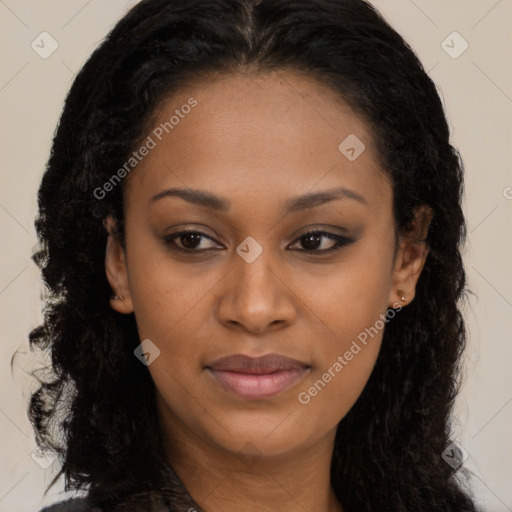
(258, 386)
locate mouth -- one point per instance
(257, 378)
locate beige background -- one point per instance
(477, 92)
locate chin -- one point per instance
(262, 434)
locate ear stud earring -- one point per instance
(117, 297)
(401, 293)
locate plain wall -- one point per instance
(477, 92)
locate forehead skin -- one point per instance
(257, 140)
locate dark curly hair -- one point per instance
(97, 409)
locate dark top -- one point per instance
(71, 505)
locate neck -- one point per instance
(219, 479)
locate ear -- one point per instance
(116, 270)
(411, 255)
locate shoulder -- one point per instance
(71, 505)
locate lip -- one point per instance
(257, 377)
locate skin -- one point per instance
(258, 142)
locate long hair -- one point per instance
(98, 407)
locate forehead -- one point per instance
(271, 135)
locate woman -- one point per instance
(251, 227)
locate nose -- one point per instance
(256, 297)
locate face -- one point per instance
(249, 169)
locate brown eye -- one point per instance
(312, 240)
(190, 240)
(187, 241)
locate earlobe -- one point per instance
(116, 271)
(117, 302)
(401, 296)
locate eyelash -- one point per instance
(341, 241)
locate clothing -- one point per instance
(71, 505)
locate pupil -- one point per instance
(311, 241)
(188, 237)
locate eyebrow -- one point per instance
(304, 202)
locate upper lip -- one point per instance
(268, 363)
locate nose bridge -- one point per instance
(254, 278)
(255, 295)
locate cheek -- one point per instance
(353, 312)
(164, 292)
(349, 301)
(345, 356)
(338, 381)
(344, 362)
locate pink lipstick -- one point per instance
(257, 378)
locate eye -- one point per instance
(189, 241)
(313, 239)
